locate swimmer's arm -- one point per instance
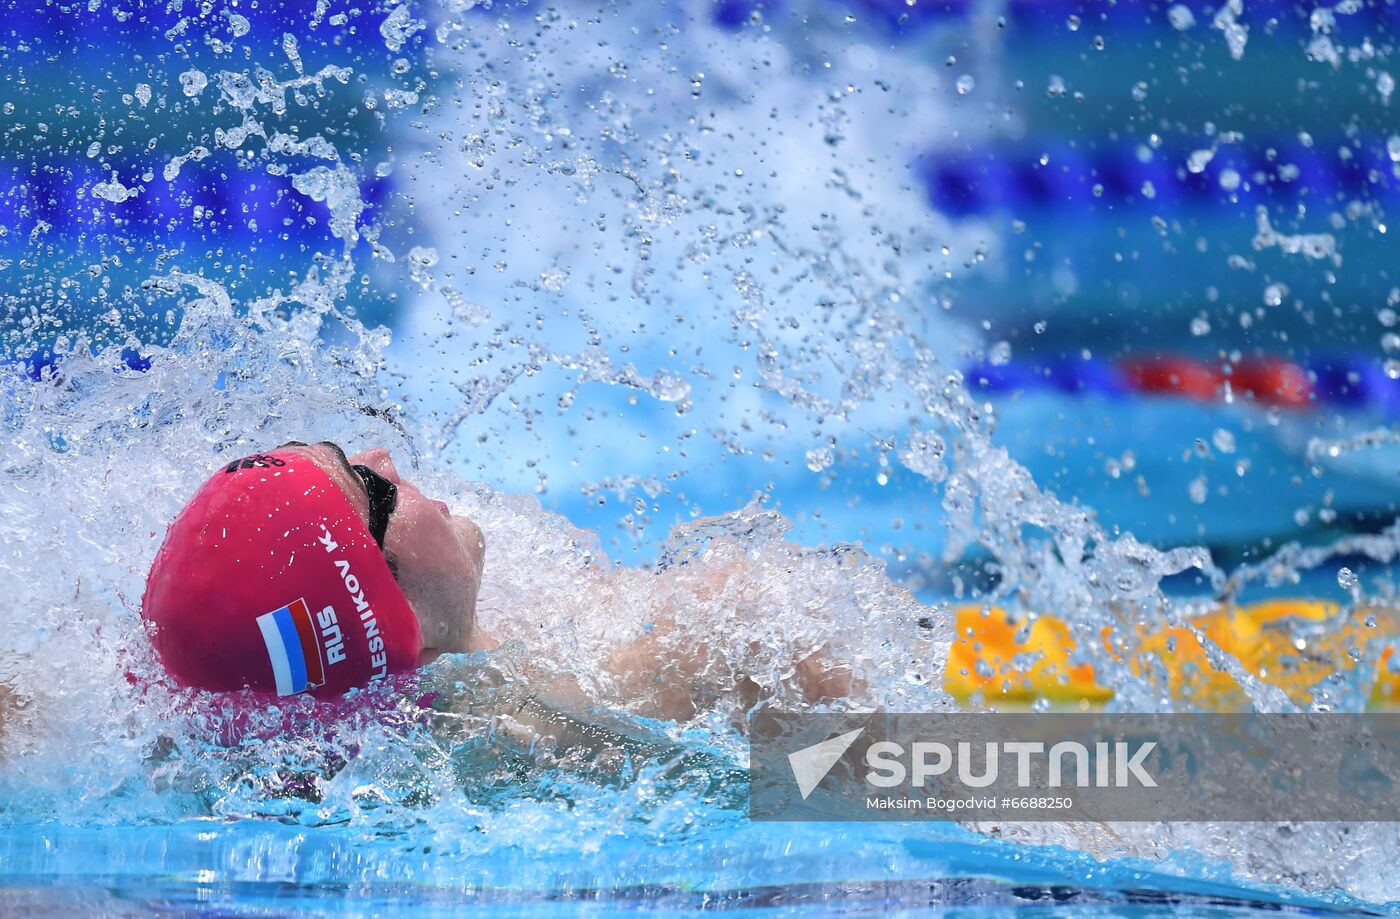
(677, 685)
(678, 688)
(8, 705)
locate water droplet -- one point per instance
(923, 453)
(421, 260)
(398, 27)
(553, 279)
(192, 82)
(1196, 163)
(1181, 17)
(113, 190)
(1197, 490)
(1346, 578)
(474, 314)
(965, 84)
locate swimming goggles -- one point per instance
(383, 499)
(383, 494)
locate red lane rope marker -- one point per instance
(1170, 373)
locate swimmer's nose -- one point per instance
(442, 506)
(379, 460)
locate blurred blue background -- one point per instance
(1118, 184)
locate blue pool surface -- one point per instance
(646, 263)
(256, 868)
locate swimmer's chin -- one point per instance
(479, 642)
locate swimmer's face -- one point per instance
(436, 557)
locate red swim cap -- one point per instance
(270, 580)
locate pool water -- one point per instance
(695, 287)
(256, 868)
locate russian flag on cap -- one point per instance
(292, 647)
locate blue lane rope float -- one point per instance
(240, 204)
(1348, 383)
(1344, 382)
(907, 20)
(45, 365)
(960, 183)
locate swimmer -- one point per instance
(304, 570)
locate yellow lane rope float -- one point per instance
(1290, 644)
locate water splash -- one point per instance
(769, 298)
